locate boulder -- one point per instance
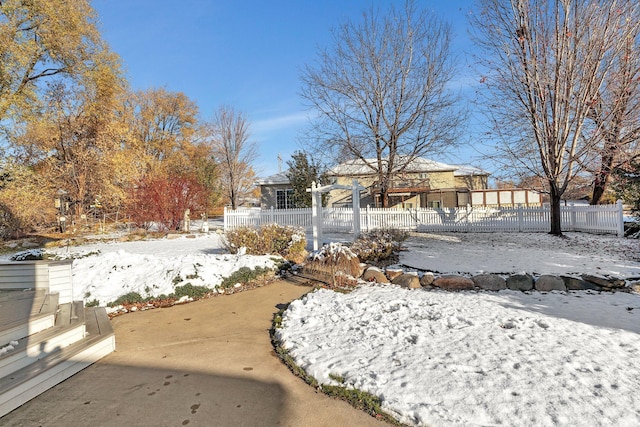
(577, 284)
(362, 268)
(454, 283)
(605, 282)
(407, 280)
(547, 283)
(427, 279)
(520, 282)
(489, 282)
(392, 273)
(373, 274)
(635, 287)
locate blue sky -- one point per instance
(246, 54)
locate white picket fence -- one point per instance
(601, 219)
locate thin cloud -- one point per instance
(272, 124)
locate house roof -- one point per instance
(358, 167)
(278, 178)
(419, 164)
(469, 171)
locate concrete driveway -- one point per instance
(207, 363)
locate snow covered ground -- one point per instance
(106, 270)
(437, 358)
(476, 359)
(480, 359)
(534, 253)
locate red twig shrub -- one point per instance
(164, 200)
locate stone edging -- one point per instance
(497, 282)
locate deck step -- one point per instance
(23, 313)
(39, 376)
(68, 329)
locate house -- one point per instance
(423, 183)
(275, 191)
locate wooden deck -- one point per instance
(44, 343)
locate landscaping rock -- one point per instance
(392, 273)
(490, 282)
(454, 283)
(407, 280)
(520, 282)
(635, 287)
(577, 284)
(547, 283)
(427, 279)
(362, 268)
(605, 282)
(373, 274)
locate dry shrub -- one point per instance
(336, 261)
(272, 239)
(378, 245)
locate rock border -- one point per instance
(412, 279)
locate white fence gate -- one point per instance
(600, 219)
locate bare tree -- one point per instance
(380, 92)
(547, 62)
(617, 113)
(234, 151)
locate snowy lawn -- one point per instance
(107, 270)
(467, 358)
(534, 253)
(493, 358)
(437, 358)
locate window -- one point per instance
(284, 199)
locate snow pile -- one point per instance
(9, 347)
(333, 252)
(466, 358)
(30, 254)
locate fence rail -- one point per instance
(601, 219)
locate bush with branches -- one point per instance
(378, 245)
(271, 239)
(163, 200)
(338, 262)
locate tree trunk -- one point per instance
(598, 190)
(384, 196)
(233, 199)
(556, 215)
(602, 176)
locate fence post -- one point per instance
(520, 218)
(355, 197)
(620, 218)
(574, 216)
(467, 212)
(225, 219)
(366, 218)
